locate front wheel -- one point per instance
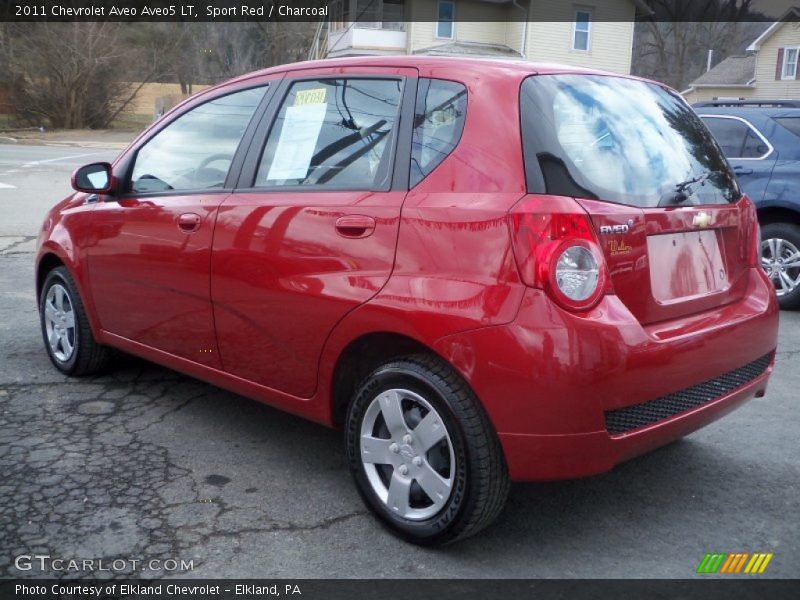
(780, 259)
(65, 327)
(423, 453)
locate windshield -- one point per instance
(619, 140)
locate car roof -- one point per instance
(755, 103)
(514, 68)
(748, 111)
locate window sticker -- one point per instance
(301, 128)
(315, 96)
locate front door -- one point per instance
(311, 233)
(149, 266)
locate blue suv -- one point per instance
(762, 142)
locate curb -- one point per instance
(65, 143)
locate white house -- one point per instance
(769, 70)
(588, 33)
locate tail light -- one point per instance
(751, 233)
(557, 251)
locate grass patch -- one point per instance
(131, 121)
(7, 121)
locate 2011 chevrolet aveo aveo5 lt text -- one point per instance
(481, 271)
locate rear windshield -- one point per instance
(619, 140)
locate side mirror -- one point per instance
(95, 178)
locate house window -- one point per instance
(393, 14)
(380, 14)
(581, 30)
(445, 13)
(790, 63)
(368, 14)
(340, 14)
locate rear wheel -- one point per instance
(780, 259)
(423, 453)
(65, 327)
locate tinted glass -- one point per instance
(790, 123)
(736, 138)
(334, 132)
(438, 124)
(619, 140)
(196, 150)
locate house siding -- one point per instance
(703, 94)
(486, 23)
(611, 38)
(477, 22)
(766, 84)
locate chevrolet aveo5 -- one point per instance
(483, 272)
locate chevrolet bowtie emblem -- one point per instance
(702, 219)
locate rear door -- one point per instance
(750, 153)
(310, 232)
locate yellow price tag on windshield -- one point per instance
(316, 96)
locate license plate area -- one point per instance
(686, 265)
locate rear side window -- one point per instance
(333, 132)
(619, 140)
(441, 110)
(736, 137)
(790, 123)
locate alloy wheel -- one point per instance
(780, 260)
(407, 454)
(59, 320)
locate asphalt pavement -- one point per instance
(145, 464)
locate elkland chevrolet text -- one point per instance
(481, 271)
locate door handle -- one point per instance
(189, 222)
(742, 171)
(355, 226)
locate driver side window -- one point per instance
(195, 151)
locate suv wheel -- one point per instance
(780, 258)
(65, 327)
(423, 453)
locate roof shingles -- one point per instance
(737, 70)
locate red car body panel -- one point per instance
(149, 276)
(276, 291)
(277, 254)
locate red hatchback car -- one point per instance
(483, 271)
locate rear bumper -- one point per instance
(550, 379)
(550, 457)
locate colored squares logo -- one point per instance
(735, 562)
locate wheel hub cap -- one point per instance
(59, 322)
(410, 465)
(780, 260)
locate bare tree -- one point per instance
(672, 45)
(74, 75)
(230, 49)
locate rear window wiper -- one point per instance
(682, 191)
(701, 179)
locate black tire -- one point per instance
(480, 481)
(791, 234)
(87, 356)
